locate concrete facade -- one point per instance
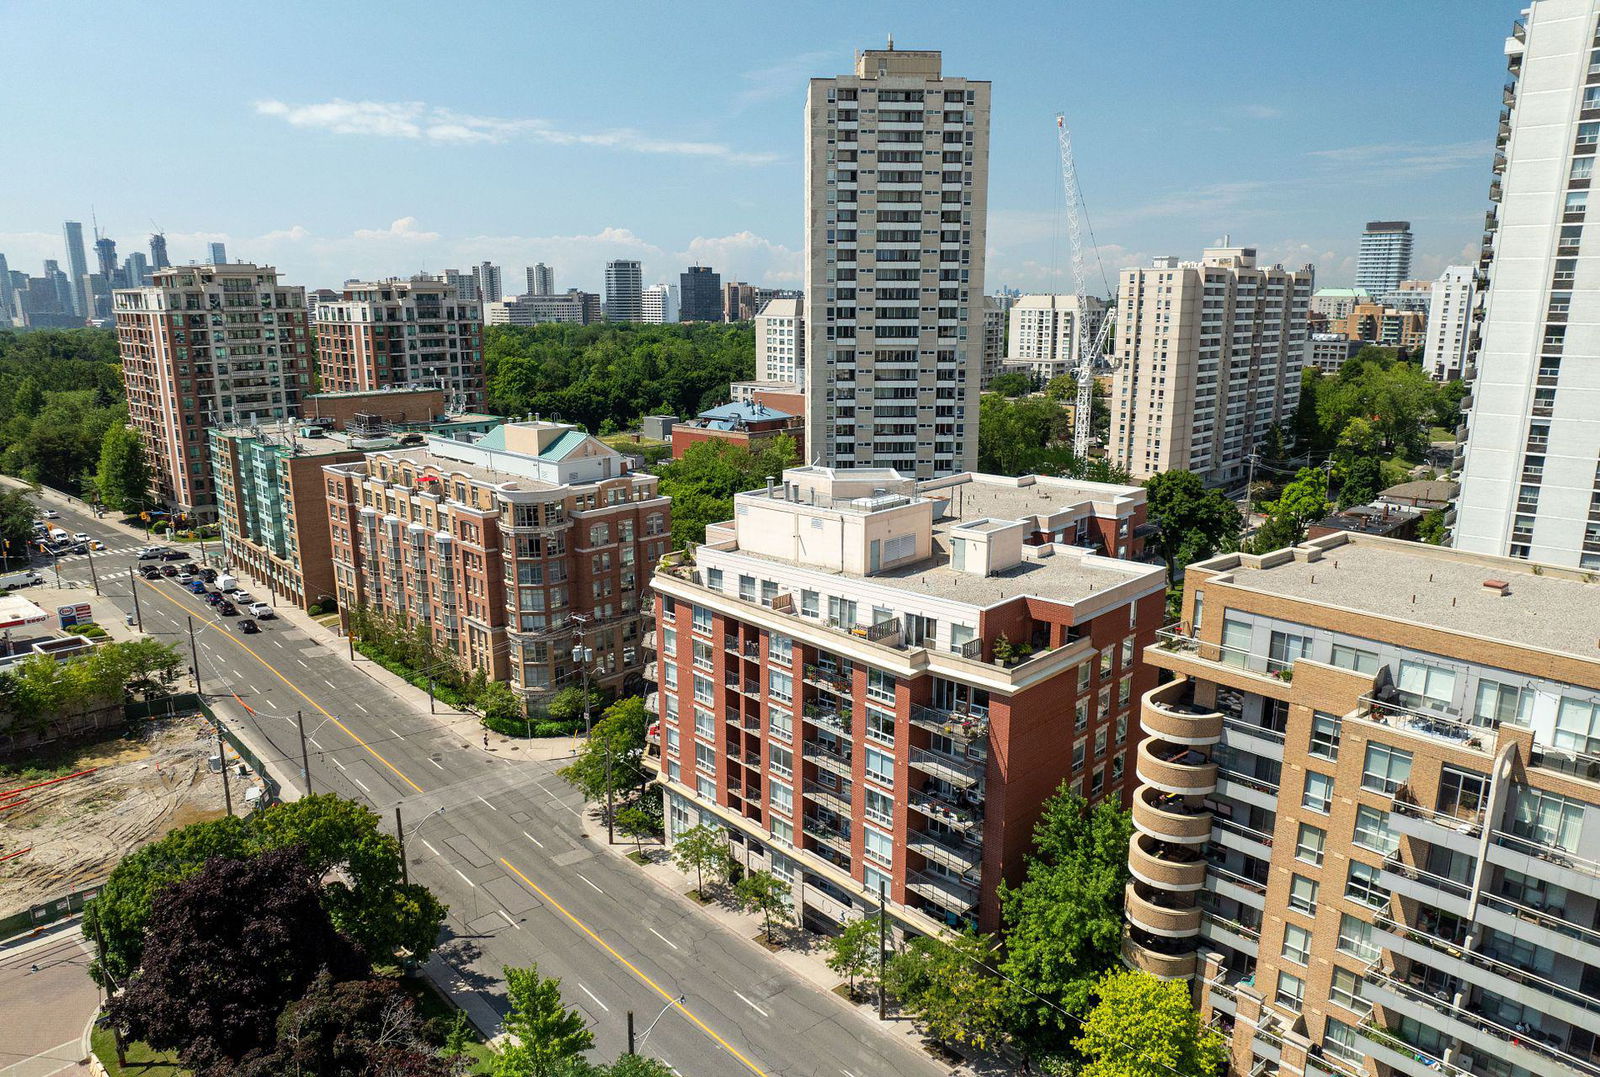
(781, 341)
(1045, 340)
(624, 291)
(1384, 259)
(402, 332)
(1449, 330)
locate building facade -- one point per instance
(994, 337)
(1368, 821)
(749, 426)
(1374, 323)
(541, 280)
(205, 346)
(491, 285)
(1328, 351)
(738, 301)
(402, 332)
(572, 307)
(873, 684)
(1450, 309)
(1045, 340)
(1532, 444)
(1209, 356)
(658, 305)
(781, 341)
(700, 295)
(897, 190)
(217, 253)
(526, 551)
(77, 266)
(1335, 304)
(624, 291)
(1384, 259)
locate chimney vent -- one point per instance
(1499, 587)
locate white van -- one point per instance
(58, 535)
(26, 578)
(227, 583)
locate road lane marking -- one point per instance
(464, 879)
(596, 998)
(361, 783)
(510, 921)
(663, 938)
(431, 849)
(585, 878)
(435, 762)
(533, 839)
(752, 1005)
(671, 999)
(390, 728)
(488, 805)
(336, 763)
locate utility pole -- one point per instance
(400, 832)
(222, 757)
(111, 983)
(194, 656)
(430, 694)
(883, 946)
(133, 589)
(1249, 486)
(630, 1033)
(611, 815)
(305, 757)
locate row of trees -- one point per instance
(60, 392)
(703, 481)
(42, 689)
(606, 376)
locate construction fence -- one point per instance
(46, 913)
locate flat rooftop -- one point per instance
(973, 497)
(449, 465)
(1554, 610)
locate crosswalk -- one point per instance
(127, 547)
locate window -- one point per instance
(705, 724)
(1385, 769)
(703, 654)
(1078, 750)
(1284, 647)
(1303, 894)
(879, 846)
(1236, 636)
(1346, 990)
(701, 619)
(780, 724)
(781, 797)
(1341, 1041)
(880, 767)
(780, 761)
(880, 807)
(880, 726)
(780, 686)
(706, 788)
(1308, 845)
(1582, 168)
(1291, 990)
(1372, 831)
(1355, 938)
(780, 649)
(1081, 716)
(702, 690)
(1324, 736)
(1497, 703)
(1348, 657)
(876, 882)
(1424, 685)
(1318, 795)
(1362, 885)
(880, 685)
(705, 758)
(808, 604)
(1296, 944)
(1578, 726)
(1548, 818)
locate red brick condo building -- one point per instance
(875, 682)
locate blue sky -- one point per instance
(338, 140)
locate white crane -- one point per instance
(1091, 337)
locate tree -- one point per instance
(637, 1066)
(703, 481)
(352, 1029)
(17, 513)
(225, 951)
(1192, 522)
(1362, 481)
(1432, 529)
(1061, 388)
(609, 760)
(1145, 1027)
(636, 823)
(547, 1034)
(702, 849)
(123, 477)
(947, 986)
(1012, 383)
(763, 892)
(499, 703)
(29, 398)
(1063, 923)
(1274, 447)
(854, 951)
(1302, 502)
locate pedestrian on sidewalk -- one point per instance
(486, 740)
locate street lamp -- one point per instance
(400, 834)
(583, 656)
(632, 1044)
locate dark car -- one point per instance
(212, 597)
(209, 575)
(226, 608)
(168, 570)
(248, 626)
(176, 555)
(150, 572)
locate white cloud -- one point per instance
(433, 123)
(783, 79)
(1388, 160)
(404, 228)
(746, 256)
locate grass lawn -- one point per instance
(141, 1059)
(431, 1004)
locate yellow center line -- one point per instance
(631, 967)
(274, 669)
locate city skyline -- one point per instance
(346, 163)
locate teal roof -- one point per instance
(561, 446)
(494, 439)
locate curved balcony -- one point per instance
(1161, 913)
(1158, 958)
(1166, 817)
(1170, 712)
(1176, 768)
(1166, 866)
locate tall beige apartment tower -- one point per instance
(202, 346)
(1209, 356)
(897, 190)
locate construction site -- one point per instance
(62, 832)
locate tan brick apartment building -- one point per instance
(201, 346)
(1368, 824)
(832, 689)
(513, 546)
(402, 332)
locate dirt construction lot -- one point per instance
(68, 834)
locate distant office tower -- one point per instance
(135, 270)
(572, 307)
(98, 290)
(237, 335)
(219, 254)
(781, 341)
(65, 289)
(105, 252)
(1209, 355)
(7, 295)
(624, 288)
(158, 251)
(700, 295)
(658, 305)
(541, 280)
(77, 266)
(994, 337)
(1045, 340)
(1385, 258)
(1449, 323)
(897, 387)
(465, 284)
(1529, 477)
(489, 282)
(739, 301)
(402, 332)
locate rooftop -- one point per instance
(973, 496)
(1546, 608)
(1422, 490)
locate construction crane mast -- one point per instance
(1091, 338)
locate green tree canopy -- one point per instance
(1193, 522)
(702, 849)
(1012, 383)
(29, 398)
(609, 760)
(703, 481)
(1062, 387)
(854, 951)
(946, 984)
(546, 1034)
(765, 894)
(123, 476)
(1145, 1027)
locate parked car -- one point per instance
(168, 570)
(197, 586)
(226, 608)
(243, 597)
(209, 575)
(261, 610)
(176, 555)
(248, 626)
(150, 553)
(25, 578)
(51, 514)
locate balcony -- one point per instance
(1169, 712)
(950, 894)
(1167, 817)
(1413, 882)
(650, 672)
(1548, 862)
(829, 759)
(946, 810)
(964, 725)
(824, 716)
(1166, 866)
(836, 798)
(652, 702)
(832, 835)
(1457, 829)
(1435, 725)
(1160, 912)
(1176, 768)
(957, 856)
(1162, 958)
(956, 770)
(832, 680)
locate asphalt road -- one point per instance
(506, 854)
